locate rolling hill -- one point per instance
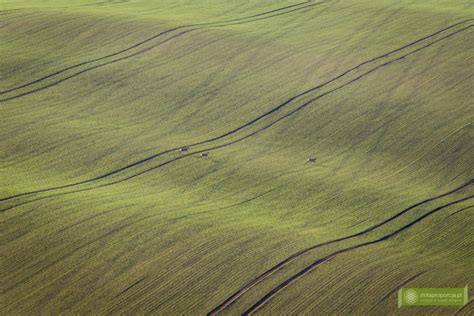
(108, 205)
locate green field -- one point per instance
(100, 213)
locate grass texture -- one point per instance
(100, 213)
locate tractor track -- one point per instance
(262, 301)
(226, 144)
(165, 41)
(461, 210)
(232, 142)
(90, 69)
(194, 27)
(241, 291)
(129, 287)
(273, 110)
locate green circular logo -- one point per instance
(411, 297)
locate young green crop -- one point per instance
(101, 212)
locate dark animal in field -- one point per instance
(183, 149)
(311, 160)
(204, 155)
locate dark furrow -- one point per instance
(74, 224)
(458, 312)
(200, 25)
(266, 17)
(235, 141)
(225, 207)
(129, 287)
(106, 3)
(12, 160)
(461, 210)
(91, 68)
(275, 109)
(130, 56)
(132, 176)
(152, 47)
(241, 291)
(259, 304)
(89, 218)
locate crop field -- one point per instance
(154, 156)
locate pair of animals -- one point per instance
(185, 149)
(206, 154)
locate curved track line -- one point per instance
(127, 57)
(461, 210)
(175, 36)
(244, 137)
(259, 304)
(90, 69)
(275, 109)
(241, 291)
(198, 26)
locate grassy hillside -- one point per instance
(100, 213)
